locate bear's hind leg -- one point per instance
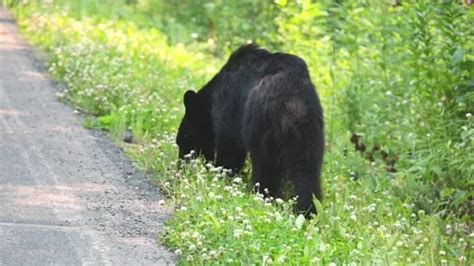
(302, 167)
(305, 186)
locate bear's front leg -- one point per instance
(230, 154)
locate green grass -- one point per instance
(397, 77)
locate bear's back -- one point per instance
(246, 70)
(232, 85)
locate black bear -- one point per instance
(264, 104)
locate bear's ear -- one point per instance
(190, 100)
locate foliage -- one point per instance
(396, 82)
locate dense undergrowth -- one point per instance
(396, 83)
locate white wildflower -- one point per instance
(353, 217)
(237, 233)
(237, 180)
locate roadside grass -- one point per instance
(133, 78)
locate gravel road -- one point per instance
(67, 195)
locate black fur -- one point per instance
(264, 104)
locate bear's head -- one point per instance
(195, 131)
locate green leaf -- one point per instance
(468, 65)
(299, 221)
(105, 120)
(458, 56)
(281, 3)
(447, 192)
(465, 135)
(461, 196)
(437, 170)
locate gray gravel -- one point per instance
(67, 195)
